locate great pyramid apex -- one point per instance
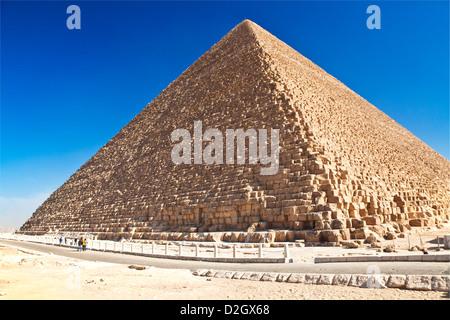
(346, 169)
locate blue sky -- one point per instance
(65, 93)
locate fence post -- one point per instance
(216, 251)
(286, 251)
(234, 251)
(196, 250)
(260, 251)
(153, 247)
(180, 251)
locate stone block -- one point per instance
(326, 279)
(283, 277)
(440, 283)
(228, 275)
(331, 235)
(341, 279)
(418, 282)
(311, 278)
(256, 276)
(416, 223)
(358, 223)
(396, 281)
(296, 278)
(357, 280)
(313, 236)
(338, 224)
(237, 275)
(269, 277)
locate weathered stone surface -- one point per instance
(237, 275)
(246, 275)
(283, 277)
(396, 281)
(418, 282)
(228, 275)
(269, 277)
(326, 279)
(341, 279)
(313, 236)
(311, 278)
(296, 278)
(375, 281)
(256, 276)
(219, 274)
(200, 272)
(210, 273)
(358, 280)
(343, 164)
(440, 283)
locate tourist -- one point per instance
(80, 241)
(83, 244)
(60, 241)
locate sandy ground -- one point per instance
(27, 275)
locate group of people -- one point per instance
(81, 243)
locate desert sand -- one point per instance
(31, 275)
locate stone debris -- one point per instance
(347, 171)
(370, 281)
(137, 267)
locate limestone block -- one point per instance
(338, 224)
(440, 283)
(341, 279)
(313, 236)
(256, 276)
(296, 278)
(416, 222)
(418, 282)
(311, 278)
(228, 275)
(269, 277)
(358, 223)
(283, 277)
(238, 275)
(331, 236)
(357, 280)
(372, 220)
(326, 279)
(396, 281)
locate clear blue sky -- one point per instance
(65, 93)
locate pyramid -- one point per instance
(346, 170)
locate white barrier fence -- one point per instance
(181, 250)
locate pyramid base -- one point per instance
(332, 237)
